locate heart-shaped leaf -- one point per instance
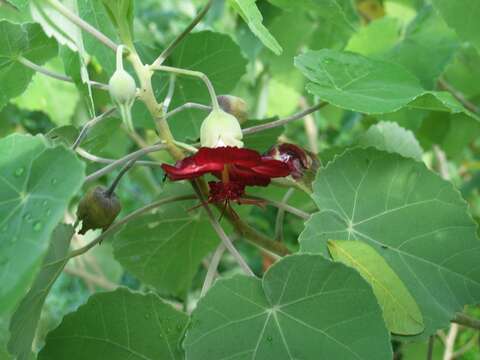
(415, 220)
(301, 297)
(121, 325)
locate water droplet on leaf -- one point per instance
(27, 217)
(37, 226)
(53, 181)
(19, 171)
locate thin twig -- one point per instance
(450, 343)
(187, 106)
(42, 70)
(431, 343)
(101, 282)
(212, 269)
(457, 95)
(84, 132)
(125, 159)
(103, 160)
(281, 205)
(65, 11)
(467, 347)
(442, 162)
(132, 216)
(281, 122)
(197, 74)
(169, 49)
(281, 216)
(467, 321)
(221, 233)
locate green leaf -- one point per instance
(23, 323)
(37, 183)
(123, 324)
(427, 47)
(415, 220)
(214, 54)
(251, 15)
(4, 355)
(57, 99)
(357, 83)
(261, 141)
(400, 310)
(93, 12)
(19, 3)
(301, 297)
(165, 249)
(354, 82)
(461, 15)
(28, 41)
(121, 13)
(389, 136)
(376, 38)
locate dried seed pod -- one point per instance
(98, 209)
(234, 105)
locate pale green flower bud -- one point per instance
(221, 129)
(123, 90)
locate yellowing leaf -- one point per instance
(400, 311)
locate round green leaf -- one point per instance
(119, 325)
(301, 297)
(415, 220)
(165, 249)
(36, 185)
(400, 310)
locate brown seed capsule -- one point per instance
(97, 209)
(235, 106)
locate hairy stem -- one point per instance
(187, 106)
(212, 269)
(125, 159)
(55, 75)
(281, 122)
(192, 73)
(465, 320)
(102, 160)
(283, 206)
(169, 49)
(281, 216)
(65, 11)
(132, 216)
(86, 128)
(221, 233)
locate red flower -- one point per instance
(235, 167)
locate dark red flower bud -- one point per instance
(297, 159)
(97, 209)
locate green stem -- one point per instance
(192, 73)
(465, 320)
(169, 49)
(65, 11)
